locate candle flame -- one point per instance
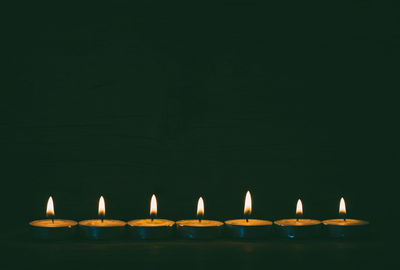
(50, 207)
(342, 207)
(153, 206)
(299, 208)
(200, 207)
(102, 207)
(247, 204)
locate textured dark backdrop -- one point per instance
(185, 100)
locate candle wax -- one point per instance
(151, 223)
(56, 224)
(197, 223)
(295, 222)
(251, 222)
(346, 222)
(104, 223)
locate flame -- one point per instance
(342, 207)
(200, 207)
(299, 208)
(50, 207)
(247, 204)
(102, 207)
(153, 205)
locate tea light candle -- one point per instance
(52, 229)
(100, 229)
(299, 227)
(344, 227)
(199, 228)
(151, 228)
(248, 228)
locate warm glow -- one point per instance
(247, 204)
(200, 207)
(102, 207)
(342, 207)
(50, 207)
(153, 205)
(299, 208)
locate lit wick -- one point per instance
(247, 206)
(200, 209)
(102, 208)
(153, 207)
(50, 209)
(342, 209)
(299, 210)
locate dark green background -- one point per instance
(186, 99)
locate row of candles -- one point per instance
(199, 228)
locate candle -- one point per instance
(298, 227)
(345, 227)
(248, 228)
(101, 228)
(199, 228)
(51, 228)
(151, 228)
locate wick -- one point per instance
(297, 219)
(344, 217)
(152, 219)
(199, 219)
(52, 220)
(247, 219)
(102, 219)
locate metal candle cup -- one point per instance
(344, 227)
(349, 228)
(299, 227)
(151, 228)
(195, 229)
(199, 228)
(252, 228)
(248, 228)
(52, 229)
(102, 229)
(106, 229)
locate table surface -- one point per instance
(375, 251)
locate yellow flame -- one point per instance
(299, 208)
(342, 207)
(153, 205)
(247, 204)
(50, 207)
(102, 207)
(200, 207)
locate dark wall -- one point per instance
(286, 100)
